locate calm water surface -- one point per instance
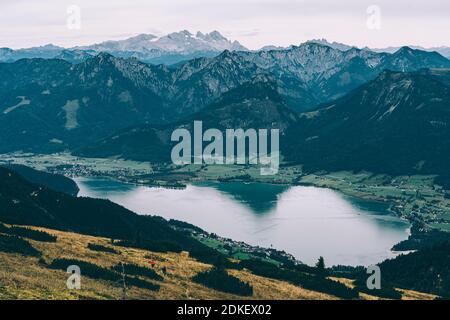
(307, 222)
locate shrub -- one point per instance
(151, 245)
(88, 269)
(385, 292)
(100, 248)
(307, 281)
(135, 270)
(136, 282)
(94, 271)
(219, 279)
(28, 233)
(14, 244)
(210, 256)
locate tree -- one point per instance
(320, 266)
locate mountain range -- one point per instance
(172, 48)
(397, 123)
(182, 42)
(51, 104)
(322, 96)
(256, 104)
(46, 52)
(443, 50)
(168, 49)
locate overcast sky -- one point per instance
(254, 23)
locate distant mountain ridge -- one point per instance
(173, 48)
(313, 73)
(52, 105)
(443, 50)
(168, 49)
(334, 44)
(48, 51)
(181, 42)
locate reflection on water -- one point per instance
(306, 221)
(259, 197)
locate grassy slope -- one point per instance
(24, 278)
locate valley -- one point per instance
(416, 198)
(363, 173)
(120, 238)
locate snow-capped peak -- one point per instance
(334, 45)
(182, 42)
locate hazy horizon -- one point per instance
(194, 32)
(25, 23)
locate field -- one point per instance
(24, 278)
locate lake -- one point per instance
(307, 222)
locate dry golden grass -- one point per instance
(347, 282)
(414, 295)
(406, 294)
(25, 278)
(265, 288)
